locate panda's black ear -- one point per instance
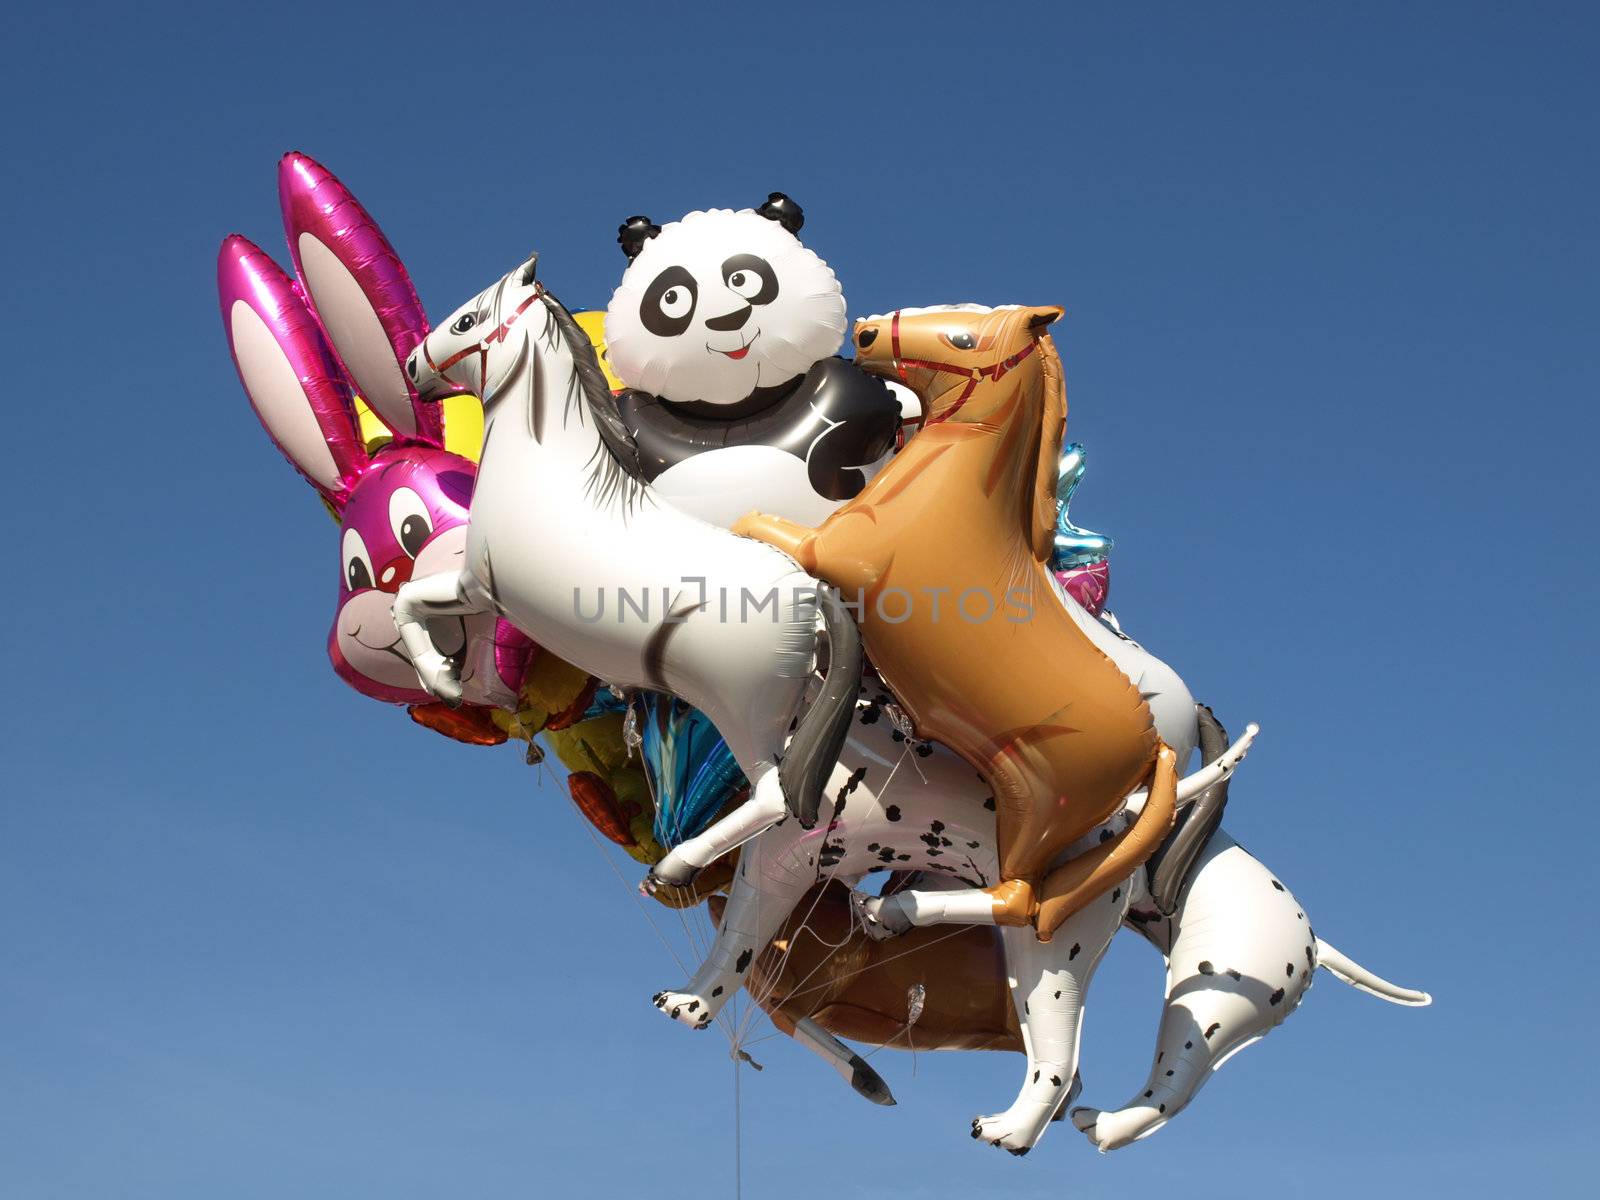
(784, 211)
(633, 233)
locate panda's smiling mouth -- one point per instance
(743, 349)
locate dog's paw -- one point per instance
(1113, 1130)
(1018, 1129)
(685, 1008)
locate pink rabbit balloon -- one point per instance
(402, 506)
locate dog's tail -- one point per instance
(1359, 977)
(816, 744)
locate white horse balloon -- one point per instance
(559, 524)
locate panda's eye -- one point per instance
(750, 278)
(676, 302)
(668, 304)
(357, 562)
(962, 340)
(408, 517)
(464, 322)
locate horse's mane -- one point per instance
(616, 466)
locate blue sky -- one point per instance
(1330, 279)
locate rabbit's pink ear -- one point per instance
(287, 369)
(359, 291)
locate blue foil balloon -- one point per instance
(692, 772)
(1074, 547)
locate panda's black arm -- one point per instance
(864, 420)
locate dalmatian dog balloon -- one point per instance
(723, 331)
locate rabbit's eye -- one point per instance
(408, 518)
(464, 322)
(357, 562)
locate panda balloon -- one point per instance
(723, 331)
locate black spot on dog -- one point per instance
(937, 827)
(1206, 968)
(872, 846)
(850, 785)
(1148, 1094)
(694, 1007)
(972, 845)
(1074, 953)
(1055, 1081)
(1236, 976)
(1116, 895)
(1215, 1025)
(892, 813)
(1058, 995)
(1036, 1077)
(924, 749)
(1311, 959)
(1188, 1045)
(1289, 970)
(716, 991)
(744, 962)
(989, 803)
(1277, 885)
(1275, 997)
(1159, 1057)
(1106, 835)
(1162, 1108)
(886, 854)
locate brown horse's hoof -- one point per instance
(1014, 902)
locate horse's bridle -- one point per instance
(994, 371)
(481, 348)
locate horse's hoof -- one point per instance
(670, 874)
(441, 681)
(881, 919)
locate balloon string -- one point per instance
(633, 891)
(851, 929)
(774, 972)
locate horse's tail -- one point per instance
(1358, 977)
(816, 744)
(1076, 882)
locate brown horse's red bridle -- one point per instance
(481, 348)
(975, 375)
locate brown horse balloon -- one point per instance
(947, 552)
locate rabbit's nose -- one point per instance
(395, 574)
